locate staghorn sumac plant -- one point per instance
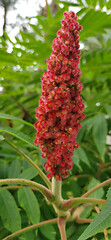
(59, 114)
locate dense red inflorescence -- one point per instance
(60, 107)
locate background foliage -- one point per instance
(20, 74)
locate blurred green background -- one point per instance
(21, 70)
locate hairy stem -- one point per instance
(46, 192)
(17, 187)
(105, 183)
(34, 226)
(83, 220)
(57, 202)
(67, 204)
(76, 212)
(44, 177)
(56, 191)
(61, 225)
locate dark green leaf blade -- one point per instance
(14, 169)
(83, 156)
(29, 203)
(102, 3)
(49, 232)
(100, 133)
(9, 211)
(97, 194)
(28, 173)
(18, 134)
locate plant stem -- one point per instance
(105, 183)
(101, 166)
(105, 234)
(46, 192)
(34, 226)
(56, 191)
(61, 225)
(67, 204)
(17, 187)
(44, 177)
(83, 220)
(46, 4)
(75, 212)
(57, 202)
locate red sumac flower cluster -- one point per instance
(60, 107)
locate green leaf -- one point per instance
(83, 156)
(7, 58)
(100, 133)
(102, 220)
(70, 230)
(29, 173)
(78, 232)
(108, 5)
(81, 11)
(30, 235)
(9, 211)
(87, 211)
(76, 159)
(4, 170)
(49, 232)
(36, 29)
(70, 3)
(108, 110)
(71, 189)
(43, 22)
(109, 194)
(8, 38)
(79, 154)
(17, 134)
(7, 116)
(14, 169)
(102, 3)
(29, 203)
(94, 3)
(49, 15)
(87, 124)
(88, 2)
(94, 22)
(98, 193)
